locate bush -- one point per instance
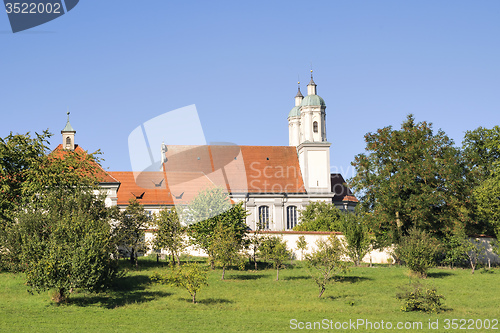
(417, 297)
(418, 250)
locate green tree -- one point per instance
(225, 248)
(29, 176)
(409, 178)
(481, 150)
(357, 239)
(204, 206)
(20, 154)
(418, 250)
(67, 245)
(208, 203)
(319, 216)
(169, 233)
(486, 197)
(460, 248)
(302, 246)
(191, 277)
(326, 262)
(274, 249)
(253, 241)
(455, 247)
(131, 228)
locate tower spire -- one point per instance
(311, 87)
(299, 96)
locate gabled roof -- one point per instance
(102, 175)
(339, 187)
(191, 169)
(240, 169)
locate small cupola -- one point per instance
(68, 136)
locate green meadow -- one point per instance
(252, 301)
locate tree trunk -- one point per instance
(277, 273)
(223, 271)
(472, 263)
(132, 257)
(194, 298)
(321, 291)
(178, 261)
(398, 221)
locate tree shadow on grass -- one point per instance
(439, 275)
(300, 277)
(126, 290)
(246, 277)
(207, 301)
(116, 300)
(352, 279)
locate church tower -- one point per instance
(309, 117)
(294, 120)
(68, 136)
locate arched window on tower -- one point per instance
(291, 217)
(315, 127)
(68, 142)
(264, 217)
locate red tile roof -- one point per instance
(101, 175)
(190, 169)
(148, 189)
(240, 169)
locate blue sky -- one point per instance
(116, 64)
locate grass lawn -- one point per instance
(249, 301)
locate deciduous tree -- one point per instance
(418, 250)
(357, 239)
(191, 276)
(225, 248)
(67, 245)
(326, 261)
(302, 246)
(411, 178)
(131, 228)
(169, 233)
(205, 205)
(481, 150)
(319, 216)
(274, 249)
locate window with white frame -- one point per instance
(291, 217)
(264, 217)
